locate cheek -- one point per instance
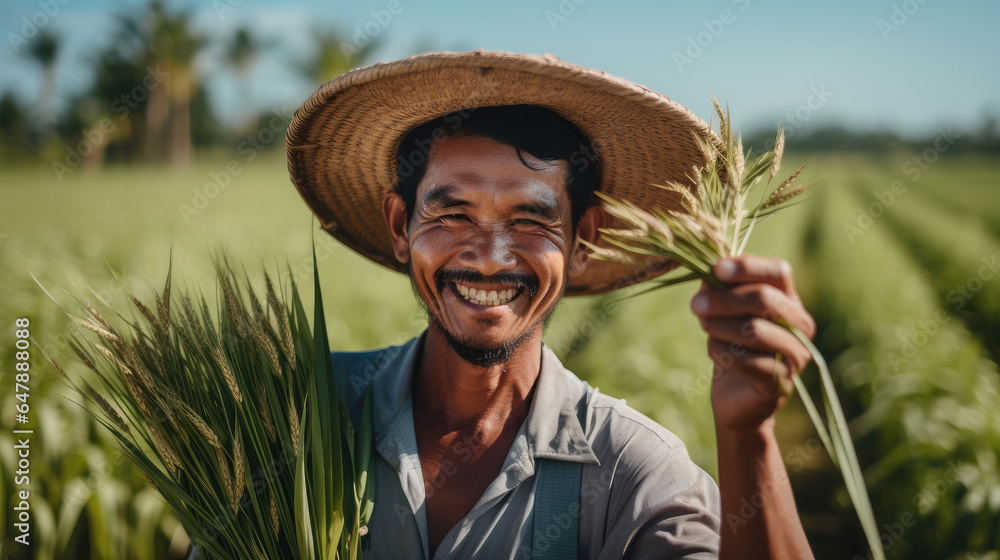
(431, 249)
(548, 257)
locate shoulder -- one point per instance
(650, 463)
(621, 427)
(653, 496)
(354, 373)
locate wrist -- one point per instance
(746, 440)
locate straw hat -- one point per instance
(343, 141)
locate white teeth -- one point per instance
(482, 297)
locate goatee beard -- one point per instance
(477, 354)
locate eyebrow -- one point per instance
(443, 197)
(541, 209)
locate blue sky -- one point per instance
(927, 64)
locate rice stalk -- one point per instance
(715, 220)
(175, 390)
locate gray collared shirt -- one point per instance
(641, 496)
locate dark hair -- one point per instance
(541, 132)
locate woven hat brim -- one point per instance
(343, 141)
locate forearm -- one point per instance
(759, 517)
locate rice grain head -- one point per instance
(83, 356)
(201, 426)
(144, 311)
(97, 315)
(785, 197)
(220, 359)
(234, 312)
(740, 160)
(151, 482)
(163, 306)
(784, 186)
(265, 414)
(95, 327)
(227, 479)
(167, 455)
(779, 150)
(293, 427)
(106, 407)
(238, 468)
(275, 524)
(193, 417)
(136, 394)
(284, 324)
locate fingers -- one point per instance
(759, 335)
(757, 300)
(754, 268)
(771, 377)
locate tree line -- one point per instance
(147, 101)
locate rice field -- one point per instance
(900, 269)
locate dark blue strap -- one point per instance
(556, 523)
(556, 519)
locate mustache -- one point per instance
(520, 279)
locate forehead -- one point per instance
(479, 166)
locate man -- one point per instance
(474, 173)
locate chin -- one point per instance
(480, 352)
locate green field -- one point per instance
(900, 272)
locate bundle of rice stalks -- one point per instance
(716, 220)
(235, 421)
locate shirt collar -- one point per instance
(552, 427)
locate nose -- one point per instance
(489, 250)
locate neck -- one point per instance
(455, 394)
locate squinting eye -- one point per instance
(526, 222)
(455, 217)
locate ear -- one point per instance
(587, 230)
(394, 212)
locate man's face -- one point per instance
(490, 243)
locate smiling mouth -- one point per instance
(485, 298)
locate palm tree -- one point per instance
(184, 47)
(331, 58)
(45, 50)
(166, 40)
(241, 54)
